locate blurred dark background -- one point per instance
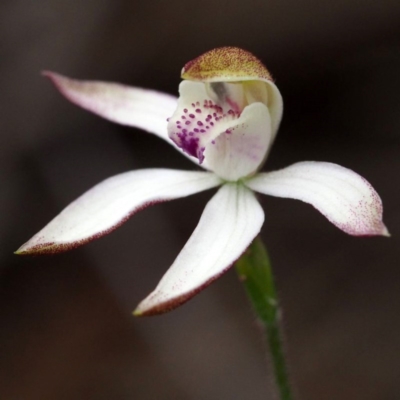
(66, 327)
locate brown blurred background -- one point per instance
(66, 327)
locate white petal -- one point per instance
(343, 196)
(230, 222)
(131, 106)
(125, 105)
(111, 202)
(232, 145)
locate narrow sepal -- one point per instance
(229, 223)
(126, 105)
(344, 197)
(112, 202)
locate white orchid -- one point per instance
(225, 120)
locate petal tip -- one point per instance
(46, 73)
(159, 302)
(148, 307)
(384, 231)
(24, 250)
(35, 248)
(377, 230)
(137, 312)
(63, 84)
(53, 76)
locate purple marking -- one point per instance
(190, 146)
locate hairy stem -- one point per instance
(254, 270)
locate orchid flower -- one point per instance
(225, 120)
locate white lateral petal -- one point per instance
(344, 197)
(126, 105)
(140, 108)
(111, 202)
(230, 222)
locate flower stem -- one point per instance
(254, 270)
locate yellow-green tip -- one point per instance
(137, 313)
(226, 64)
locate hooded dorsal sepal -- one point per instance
(227, 64)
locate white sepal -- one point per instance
(125, 105)
(110, 203)
(344, 197)
(229, 223)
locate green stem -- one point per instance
(254, 270)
